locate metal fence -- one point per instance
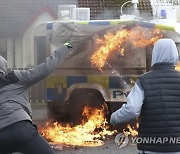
(37, 93)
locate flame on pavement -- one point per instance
(90, 132)
(178, 66)
(131, 131)
(115, 42)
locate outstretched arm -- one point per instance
(132, 108)
(32, 76)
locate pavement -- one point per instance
(108, 148)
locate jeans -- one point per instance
(23, 137)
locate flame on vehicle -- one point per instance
(114, 41)
(91, 132)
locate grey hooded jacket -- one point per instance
(164, 51)
(14, 101)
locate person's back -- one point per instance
(160, 113)
(156, 98)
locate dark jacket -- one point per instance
(164, 58)
(160, 113)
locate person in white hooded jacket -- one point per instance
(17, 132)
(155, 99)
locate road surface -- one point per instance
(108, 148)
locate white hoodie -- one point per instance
(164, 50)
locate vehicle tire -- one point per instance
(80, 98)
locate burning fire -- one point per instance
(114, 42)
(178, 66)
(90, 133)
(110, 43)
(132, 131)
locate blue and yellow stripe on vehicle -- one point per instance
(108, 82)
(119, 21)
(51, 82)
(102, 80)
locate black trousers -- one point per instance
(23, 137)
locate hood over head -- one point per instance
(6, 78)
(3, 65)
(165, 51)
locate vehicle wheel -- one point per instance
(80, 98)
